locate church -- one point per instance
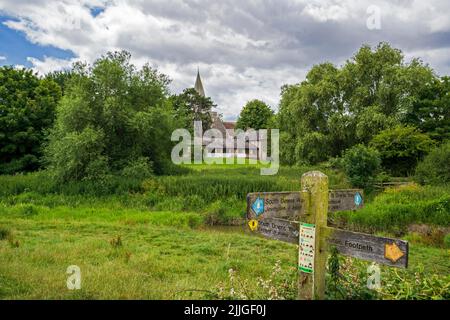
(227, 129)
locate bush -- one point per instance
(435, 168)
(361, 164)
(401, 148)
(140, 168)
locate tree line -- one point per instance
(93, 120)
(376, 111)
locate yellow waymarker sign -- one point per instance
(392, 252)
(253, 224)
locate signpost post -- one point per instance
(301, 218)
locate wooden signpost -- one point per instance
(289, 205)
(301, 218)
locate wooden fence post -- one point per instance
(315, 198)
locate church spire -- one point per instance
(198, 84)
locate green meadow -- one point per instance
(184, 237)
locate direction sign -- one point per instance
(289, 205)
(345, 200)
(392, 252)
(279, 229)
(275, 205)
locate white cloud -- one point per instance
(245, 49)
(326, 12)
(2, 58)
(49, 64)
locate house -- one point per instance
(238, 146)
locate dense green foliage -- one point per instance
(190, 106)
(401, 148)
(336, 108)
(435, 168)
(62, 78)
(27, 110)
(431, 111)
(111, 116)
(361, 164)
(255, 115)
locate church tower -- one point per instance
(198, 85)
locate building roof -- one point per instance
(229, 125)
(198, 85)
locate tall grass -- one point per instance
(395, 209)
(42, 183)
(218, 192)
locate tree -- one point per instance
(113, 116)
(27, 110)
(190, 107)
(401, 148)
(431, 111)
(255, 115)
(62, 78)
(361, 164)
(371, 92)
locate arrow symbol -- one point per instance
(253, 224)
(392, 252)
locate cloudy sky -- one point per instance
(244, 49)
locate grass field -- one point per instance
(154, 261)
(154, 240)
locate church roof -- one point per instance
(198, 85)
(229, 125)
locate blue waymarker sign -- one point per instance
(258, 206)
(358, 199)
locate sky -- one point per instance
(244, 49)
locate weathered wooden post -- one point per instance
(312, 258)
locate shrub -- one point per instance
(435, 168)
(78, 155)
(401, 148)
(140, 168)
(361, 164)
